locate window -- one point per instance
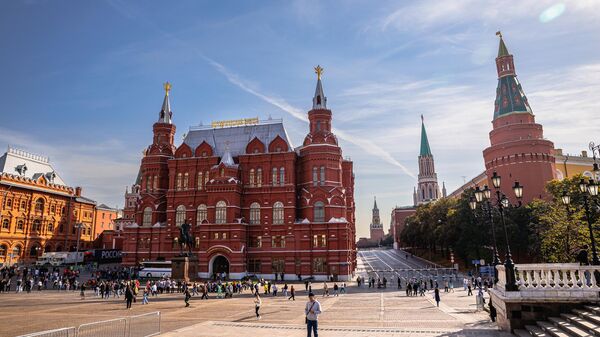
(148, 184)
(254, 266)
(277, 264)
(318, 125)
(155, 187)
(319, 212)
(39, 205)
(282, 176)
(320, 240)
(278, 213)
(147, 217)
(186, 177)
(322, 175)
(20, 225)
(5, 224)
(50, 227)
(17, 251)
(216, 236)
(255, 213)
(52, 209)
(278, 241)
(221, 212)
(206, 178)
(224, 236)
(199, 182)
(9, 203)
(34, 250)
(178, 182)
(37, 225)
(23, 204)
(251, 178)
(180, 215)
(274, 178)
(315, 176)
(222, 172)
(319, 265)
(3, 250)
(201, 214)
(256, 241)
(259, 177)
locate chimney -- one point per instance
(77, 191)
(584, 154)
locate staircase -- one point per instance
(580, 323)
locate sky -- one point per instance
(82, 80)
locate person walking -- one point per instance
(312, 311)
(128, 296)
(470, 289)
(187, 295)
(145, 298)
(82, 292)
(325, 289)
(292, 293)
(257, 303)
(436, 296)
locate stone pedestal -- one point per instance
(184, 268)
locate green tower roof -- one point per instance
(502, 50)
(425, 150)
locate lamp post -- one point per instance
(566, 200)
(590, 189)
(501, 203)
(483, 197)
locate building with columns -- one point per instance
(257, 204)
(376, 228)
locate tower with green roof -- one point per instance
(427, 186)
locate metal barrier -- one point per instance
(144, 325)
(111, 328)
(64, 332)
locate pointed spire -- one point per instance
(444, 192)
(502, 50)
(425, 150)
(319, 101)
(165, 112)
(227, 159)
(375, 204)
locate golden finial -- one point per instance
(167, 87)
(499, 33)
(318, 71)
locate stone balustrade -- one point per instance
(547, 281)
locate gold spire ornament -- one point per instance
(318, 71)
(167, 87)
(499, 34)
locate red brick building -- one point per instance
(257, 205)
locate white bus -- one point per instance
(156, 269)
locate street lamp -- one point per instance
(473, 203)
(587, 190)
(501, 203)
(483, 197)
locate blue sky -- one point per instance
(82, 80)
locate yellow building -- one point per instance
(35, 207)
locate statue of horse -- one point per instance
(185, 239)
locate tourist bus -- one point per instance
(155, 269)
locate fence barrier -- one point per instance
(144, 325)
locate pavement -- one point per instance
(360, 312)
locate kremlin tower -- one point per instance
(518, 150)
(428, 189)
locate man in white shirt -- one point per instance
(312, 311)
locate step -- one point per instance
(583, 323)
(588, 315)
(533, 330)
(521, 333)
(569, 327)
(550, 329)
(594, 308)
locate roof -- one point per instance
(22, 163)
(375, 204)
(502, 50)
(319, 100)
(106, 207)
(510, 97)
(425, 150)
(85, 200)
(236, 138)
(165, 112)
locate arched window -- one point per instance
(39, 205)
(5, 224)
(255, 213)
(259, 177)
(199, 182)
(3, 249)
(278, 213)
(9, 203)
(37, 225)
(17, 251)
(221, 212)
(206, 178)
(186, 177)
(20, 225)
(222, 172)
(155, 187)
(201, 214)
(315, 176)
(180, 215)
(34, 250)
(282, 176)
(251, 178)
(430, 193)
(147, 217)
(322, 175)
(50, 227)
(274, 178)
(23, 204)
(148, 183)
(178, 182)
(319, 212)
